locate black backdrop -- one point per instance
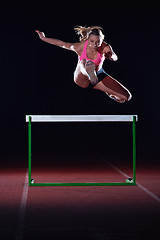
(37, 78)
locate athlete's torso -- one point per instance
(98, 61)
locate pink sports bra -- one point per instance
(100, 58)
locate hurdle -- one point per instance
(83, 118)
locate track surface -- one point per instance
(127, 212)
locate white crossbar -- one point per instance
(81, 118)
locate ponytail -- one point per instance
(84, 32)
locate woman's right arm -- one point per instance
(56, 42)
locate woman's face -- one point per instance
(94, 41)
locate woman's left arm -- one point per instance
(109, 53)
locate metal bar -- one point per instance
(134, 150)
(84, 184)
(81, 118)
(29, 152)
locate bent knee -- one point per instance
(129, 96)
(126, 97)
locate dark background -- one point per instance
(37, 78)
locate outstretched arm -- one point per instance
(56, 42)
(109, 53)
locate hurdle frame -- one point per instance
(82, 118)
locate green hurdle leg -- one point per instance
(29, 151)
(134, 149)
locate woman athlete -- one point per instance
(92, 50)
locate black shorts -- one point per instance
(101, 74)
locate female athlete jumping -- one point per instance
(92, 50)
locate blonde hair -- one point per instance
(85, 32)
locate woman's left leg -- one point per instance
(114, 89)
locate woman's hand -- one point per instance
(109, 53)
(41, 34)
